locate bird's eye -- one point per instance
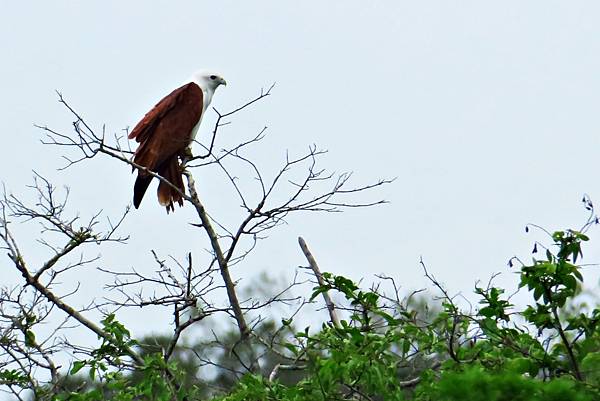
(213, 77)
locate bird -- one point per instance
(165, 133)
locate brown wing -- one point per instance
(165, 132)
(166, 129)
(141, 131)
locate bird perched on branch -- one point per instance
(166, 132)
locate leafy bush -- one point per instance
(385, 350)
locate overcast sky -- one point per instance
(486, 113)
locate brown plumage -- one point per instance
(164, 134)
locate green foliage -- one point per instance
(385, 349)
(475, 384)
(492, 355)
(156, 379)
(13, 376)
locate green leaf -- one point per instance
(77, 365)
(570, 283)
(486, 311)
(29, 338)
(291, 347)
(590, 364)
(405, 347)
(318, 291)
(30, 318)
(538, 292)
(519, 365)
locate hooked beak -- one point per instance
(223, 82)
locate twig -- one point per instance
(279, 366)
(417, 380)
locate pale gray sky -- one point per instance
(486, 112)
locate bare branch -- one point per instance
(317, 272)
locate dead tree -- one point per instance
(187, 289)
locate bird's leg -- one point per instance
(186, 155)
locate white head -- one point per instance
(208, 81)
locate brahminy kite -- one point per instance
(165, 133)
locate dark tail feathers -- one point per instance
(139, 189)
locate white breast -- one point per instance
(207, 95)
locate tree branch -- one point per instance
(315, 268)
